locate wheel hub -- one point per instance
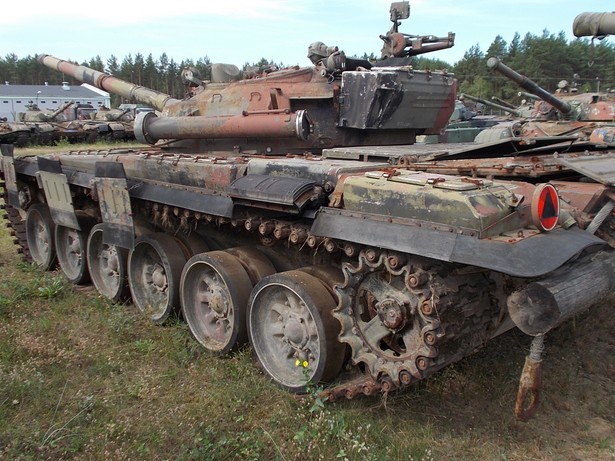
(110, 260)
(159, 278)
(42, 238)
(218, 304)
(381, 320)
(391, 313)
(295, 332)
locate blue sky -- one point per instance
(239, 31)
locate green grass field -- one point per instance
(83, 379)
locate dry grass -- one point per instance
(86, 380)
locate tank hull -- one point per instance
(417, 269)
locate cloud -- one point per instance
(115, 12)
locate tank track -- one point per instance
(15, 223)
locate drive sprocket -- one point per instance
(404, 318)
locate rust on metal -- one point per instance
(530, 385)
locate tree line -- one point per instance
(547, 59)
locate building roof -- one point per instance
(50, 91)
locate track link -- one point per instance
(16, 223)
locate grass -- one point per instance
(84, 379)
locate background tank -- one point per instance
(75, 123)
(114, 124)
(569, 113)
(244, 225)
(467, 120)
(15, 133)
(49, 126)
(500, 107)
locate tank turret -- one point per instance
(58, 111)
(529, 85)
(338, 101)
(113, 115)
(34, 114)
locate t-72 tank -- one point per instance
(74, 123)
(357, 272)
(36, 126)
(108, 124)
(569, 113)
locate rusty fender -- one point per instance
(544, 304)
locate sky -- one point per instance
(240, 31)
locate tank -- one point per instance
(75, 123)
(16, 133)
(568, 113)
(106, 124)
(36, 126)
(463, 125)
(277, 211)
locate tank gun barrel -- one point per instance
(109, 83)
(594, 24)
(525, 94)
(60, 109)
(502, 102)
(489, 103)
(528, 85)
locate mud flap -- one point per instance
(112, 190)
(59, 199)
(10, 178)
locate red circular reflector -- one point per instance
(545, 207)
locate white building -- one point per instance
(14, 98)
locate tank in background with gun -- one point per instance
(567, 113)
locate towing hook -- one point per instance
(530, 383)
